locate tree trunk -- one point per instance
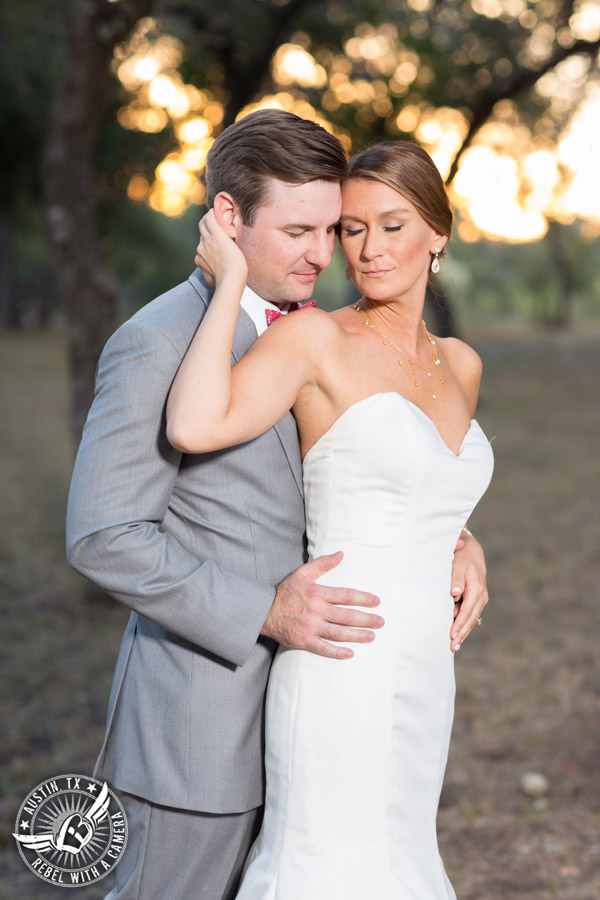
(560, 316)
(10, 313)
(88, 291)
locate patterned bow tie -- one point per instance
(274, 314)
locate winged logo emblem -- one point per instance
(75, 832)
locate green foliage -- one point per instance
(148, 252)
(491, 280)
(33, 43)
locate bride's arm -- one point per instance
(212, 405)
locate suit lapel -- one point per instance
(245, 335)
(287, 433)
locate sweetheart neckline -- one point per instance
(407, 401)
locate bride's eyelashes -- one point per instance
(351, 232)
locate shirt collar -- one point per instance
(255, 306)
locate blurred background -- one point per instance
(107, 112)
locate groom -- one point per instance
(208, 551)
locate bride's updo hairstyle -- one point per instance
(408, 169)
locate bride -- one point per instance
(393, 465)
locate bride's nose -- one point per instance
(371, 246)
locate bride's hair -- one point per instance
(408, 169)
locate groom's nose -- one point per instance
(320, 250)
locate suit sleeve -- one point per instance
(122, 483)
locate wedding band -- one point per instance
(479, 621)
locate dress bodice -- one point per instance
(383, 477)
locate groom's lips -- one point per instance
(307, 276)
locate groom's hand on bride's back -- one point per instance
(307, 616)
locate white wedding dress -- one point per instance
(356, 749)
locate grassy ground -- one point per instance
(528, 679)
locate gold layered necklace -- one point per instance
(402, 356)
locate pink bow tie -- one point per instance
(274, 314)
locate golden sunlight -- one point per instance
(294, 65)
(193, 130)
(585, 21)
(579, 151)
(169, 92)
(487, 187)
(510, 181)
(138, 188)
(193, 158)
(441, 131)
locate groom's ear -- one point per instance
(227, 213)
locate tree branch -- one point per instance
(242, 81)
(521, 81)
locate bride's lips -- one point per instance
(377, 273)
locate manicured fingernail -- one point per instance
(457, 647)
(455, 635)
(456, 590)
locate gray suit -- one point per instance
(194, 545)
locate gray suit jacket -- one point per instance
(194, 545)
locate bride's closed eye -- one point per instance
(351, 232)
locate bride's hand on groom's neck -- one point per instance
(217, 254)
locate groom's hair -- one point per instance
(270, 143)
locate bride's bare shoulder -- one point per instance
(309, 326)
(461, 354)
(465, 363)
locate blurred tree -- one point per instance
(78, 112)
(32, 39)
(521, 282)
